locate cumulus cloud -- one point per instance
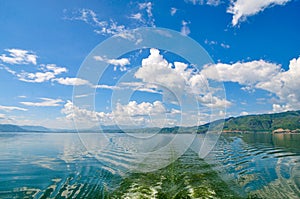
(71, 81)
(262, 75)
(282, 108)
(18, 56)
(116, 62)
(286, 86)
(133, 109)
(177, 78)
(132, 113)
(241, 9)
(155, 69)
(245, 73)
(11, 108)
(74, 112)
(144, 113)
(212, 101)
(45, 102)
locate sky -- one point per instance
(252, 63)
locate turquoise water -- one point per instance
(45, 165)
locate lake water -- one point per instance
(65, 165)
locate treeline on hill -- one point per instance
(265, 122)
(254, 123)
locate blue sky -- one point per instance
(254, 47)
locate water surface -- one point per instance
(45, 165)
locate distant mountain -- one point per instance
(258, 123)
(16, 128)
(255, 123)
(36, 128)
(11, 128)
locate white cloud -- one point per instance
(241, 9)
(12, 108)
(18, 56)
(213, 43)
(213, 102)
(111, 29)
(286, 86)
(177, 78)
(37, 77)
(262, 75)
(116, 62)
(148, 90)
(55, 69)
(8, 69)
(47, 72)
(88, 16)
(145, 113)
(132, 113)
(103, 27)
(185, 30)
(210, 42)
(147, 6)
(144, 15)
(74, 112)
(133, 109)
(2, 116)
(245, 73)
(203, 2)
(155, 69)
(282, 108)
(243, 113)
(213, 2)
(173, 11)
(46, 102)
(135, 86)
(82, 96)
(104, 86)
(224, 45)
(137, 16)
(71, 81)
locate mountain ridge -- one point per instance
(280, 122)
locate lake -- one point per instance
(66, 165)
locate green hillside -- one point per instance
(265, 122)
